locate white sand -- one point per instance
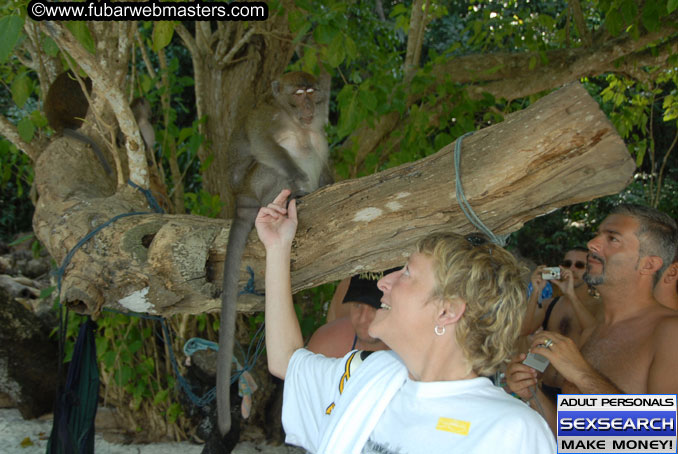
(19, 436)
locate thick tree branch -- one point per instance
(508, 75)
(561, 150)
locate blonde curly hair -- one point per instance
(489, 280)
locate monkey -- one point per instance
(141, 109)
(65, 107)
(281, 144)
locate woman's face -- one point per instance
(406, 293)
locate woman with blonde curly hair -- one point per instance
(451, 316)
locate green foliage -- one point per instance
(11, 31)
(16, 176)
(162, 34)
(81, 33)
(311, 307)
(202, 203)
(133, 365)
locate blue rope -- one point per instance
(62, 269)
(250, 357)
(463, 202)
(149, 197)
(196, 344)
(151, 201)
(249, 287)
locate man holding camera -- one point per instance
(570, 313)
(567, 314)
(631, 348)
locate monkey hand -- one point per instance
(296, 177)
(275, 224)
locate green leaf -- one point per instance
(11, 29)
(109, 358)
(21, 89)
(640, 156)
(26, 129)
(184, 134)
(533, 62)
(161, 397)
(296, 21)
(162, 34)
(49, 46)
(672, 5)
(650, 15)
(123, 375)
(304, 4)
(134, 347)
(368, 99)
(352, 49)
(324, 34)
(613, 22)
(336, 52)
(46, 292)
(82, 34)
(629, 10)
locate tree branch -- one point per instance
(237, 46)
(415, 37)
(9, 131)
(507, 75)
(560, 150)
(102, 82)
(580, 22)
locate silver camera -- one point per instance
(536, 361)
(550, 273)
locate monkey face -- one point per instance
(304, 103)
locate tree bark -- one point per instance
(559, 151)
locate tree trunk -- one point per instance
(559, 151)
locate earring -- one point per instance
(439, 331)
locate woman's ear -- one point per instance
(451, 311)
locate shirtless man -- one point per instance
(562, 314)
(338, 337)
(631, 349)
(567, 314)
(666, 290)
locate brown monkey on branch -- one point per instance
(65, 108)
(141, 109)
(281, 144)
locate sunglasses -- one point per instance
(578, 264)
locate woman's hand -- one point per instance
(276, 225)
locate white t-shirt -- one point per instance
(464, 416)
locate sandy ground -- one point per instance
(19, 436)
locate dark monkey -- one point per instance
(66, 106)
(281, 144)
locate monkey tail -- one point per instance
(240, 228)
(97, 151)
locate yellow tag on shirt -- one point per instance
(453, 425)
